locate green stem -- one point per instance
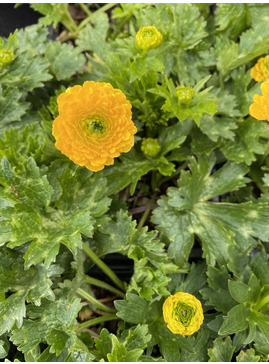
(146, 213)
(221, 81)
(103, 266)
(101, 10)
(102, 284)
(262, 302)
(93, 300)
(257, 182)
(95, 321)
(67, 19)
(265, 154)
(64, 36)
(85, 9)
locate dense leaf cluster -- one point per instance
(208, 185)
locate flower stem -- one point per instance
(262, 302)
(100, 10)
(93, 300)
(67, 19)
(265, 154)
(85, 9)
(146, 213)
(103, 266)
(102, 284)
(257, 180)
(95, 321)
(221, 81)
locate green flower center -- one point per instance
(184, 313)
(148, 33)
(94, 126)
(266, 63)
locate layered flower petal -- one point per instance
(260, 108)
(260, 72)
(94, 125)
(183, 313)
(148, 37)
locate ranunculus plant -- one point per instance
(134, 184)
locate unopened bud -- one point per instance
(6, 57)
(150, 147)
(184, 94)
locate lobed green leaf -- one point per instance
(222, 350)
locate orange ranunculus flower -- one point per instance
(260, 108)
(183, 313)
(94, 125)
(260, 72)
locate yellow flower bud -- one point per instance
(6, 57)
(183, 313)
(150, 147)
(260, 72)
(184, 94)
(148, 37)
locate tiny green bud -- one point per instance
(6, 57)
(184, 94)
(148, 37)
(150, 147)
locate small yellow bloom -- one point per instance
(94, 125)
(260, 108)
(148, 37)
(260, 72)
(183, 313)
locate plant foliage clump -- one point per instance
(185, 210)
